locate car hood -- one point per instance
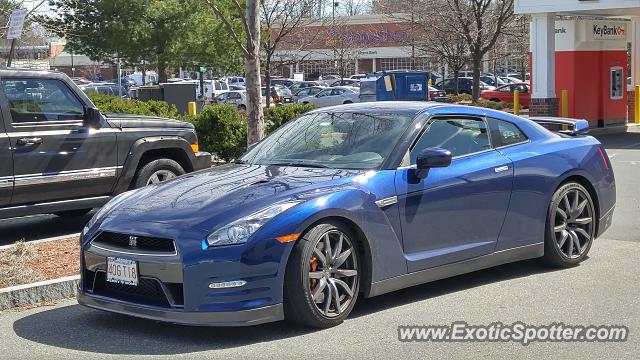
(128, 121)
(223, 193)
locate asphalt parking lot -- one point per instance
(602, 290)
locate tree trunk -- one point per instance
(477, 65)
(162, 71)
(456, 79)
(255, 125)
(267, 79)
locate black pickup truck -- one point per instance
(60, 155)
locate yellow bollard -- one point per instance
(565, 103)
(516, 102)
(637, 105)
(430, 82)
(191, 108)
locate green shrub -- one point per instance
(114, 104)
(279, 115)
(222, 130)
(458, 98)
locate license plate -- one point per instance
(122, 271)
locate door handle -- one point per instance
(501, 169)
(30, 141)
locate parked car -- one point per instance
(358, 76)
(527, 76)
(80, 81)
(491, 81)
(505, 94)
(54, 160)
(347, 203)
(282, 82)
(231, 80)
(345, 82)
(437, 95)
(333, 96)
(297, 85)
(106, 89)
(236, 86)
(279, 94)
(238, 99)
(307, 92)
(465, 85)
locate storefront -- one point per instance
(585, 56)
(361, 43)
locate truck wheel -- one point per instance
(157, 171)
(72, 213)
(242, 107)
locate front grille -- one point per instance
(132, 243)
(149, 291)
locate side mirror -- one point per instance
(92, 118)
(432, 158)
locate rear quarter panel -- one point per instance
(540, 167)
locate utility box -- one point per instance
(180, 94)
(146, 93)
(395, 86)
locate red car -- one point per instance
(505, 93)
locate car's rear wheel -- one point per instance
(242, 107)
(570, 226)
(348, 102)
(157, 171)
(323, 277)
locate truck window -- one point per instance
(41, 100)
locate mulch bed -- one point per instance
(27, 263)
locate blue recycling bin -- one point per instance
(395, 86)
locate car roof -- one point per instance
(384, 107)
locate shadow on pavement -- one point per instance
(78, 328)
(629, 140)
(39, 227)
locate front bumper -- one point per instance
(229, 318)
(202, 161)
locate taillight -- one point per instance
(603, 157)
(277, 98)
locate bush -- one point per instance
(114, 104)
(459, 98)
(279, 115)
(222, 130)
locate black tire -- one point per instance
(145, 174)
(299, 305)
(242, 107)
(568, 239)
(72, 213)
(348, 102)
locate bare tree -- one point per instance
(248, 41)
(480, 23)
(280, 18)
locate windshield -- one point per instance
(332, 140)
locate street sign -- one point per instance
(203, 69)
(16, 24)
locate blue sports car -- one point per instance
(346, 203)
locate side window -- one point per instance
(218, 85)
(337, 91)
(504, 133)
(506, 88)
(234, 96)
(460, 136)
(41, 100)
(324, 93)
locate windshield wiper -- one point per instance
(298, 164)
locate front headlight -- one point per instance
(239, 231)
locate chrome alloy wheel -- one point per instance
(573, 223)
(160, 176)
(333, 271)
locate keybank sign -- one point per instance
(609, 31)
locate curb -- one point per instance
(40, 241)
(44, 291)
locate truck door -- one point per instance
(6, 164)
(55, 157)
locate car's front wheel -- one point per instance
(323, 277)
(570, 226)
(157, 171)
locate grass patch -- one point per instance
(14, 269)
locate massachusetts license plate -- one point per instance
(122, 271)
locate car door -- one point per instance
(336, 97)
(55, 157)
(6, 164)
(456, 212)
(323, 98)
